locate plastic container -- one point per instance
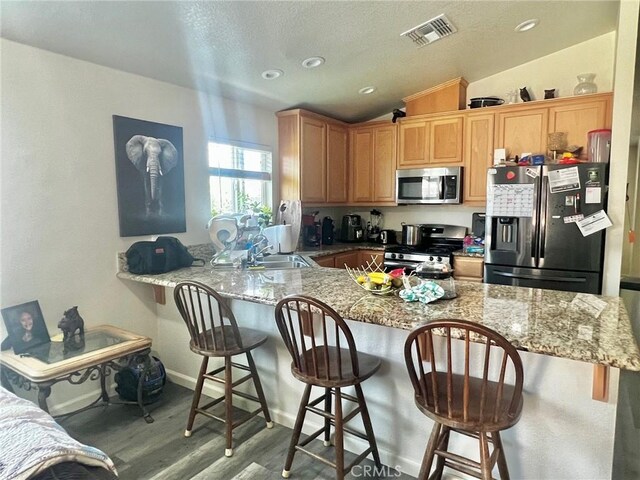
(599, 145)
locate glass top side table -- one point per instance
(93, 357)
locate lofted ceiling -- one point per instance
(222, 47)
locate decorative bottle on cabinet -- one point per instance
(586, 84)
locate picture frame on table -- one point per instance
(25, 326)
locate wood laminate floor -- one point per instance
(159, 451)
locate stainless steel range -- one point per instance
(439, 242)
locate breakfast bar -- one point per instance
(561, 337)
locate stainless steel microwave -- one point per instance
(429, 185)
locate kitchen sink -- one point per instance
(281, 262)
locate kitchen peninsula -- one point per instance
(563, 433)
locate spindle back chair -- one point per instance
(319, 341)
(324, 354)
(461, 402)
(214, 332)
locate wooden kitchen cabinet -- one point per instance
(414, 144)
(522, 130)
(326, 261)
(478, 156)
(436, 141)
(313, 163)
(578, 116)
(361, 165)
(313, 155)
(368, 256)
(351, 259)
(373, 164)
(445, 142)
(337, 163)
(470, 269)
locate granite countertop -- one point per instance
(588, 328)
(461, 253)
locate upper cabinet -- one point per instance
(578, 116)
(324, 161)
(431, 142)
(525, 127)
(373, 164)
(337, 163)
(313, 158)
(478, 156)
(522, 130)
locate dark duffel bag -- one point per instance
(164, 255)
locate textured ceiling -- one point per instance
(222, 47)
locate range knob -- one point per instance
(431, 259)
(439, 259)
(400, 256)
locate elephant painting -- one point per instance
(149, 177)
(153, 157)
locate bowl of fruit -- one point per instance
(372, 278)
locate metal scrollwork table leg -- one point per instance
(95, 372)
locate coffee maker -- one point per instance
(352, 230)
(327, 231)
(311, 230)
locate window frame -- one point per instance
(267, 192)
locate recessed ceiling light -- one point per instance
(527, 25)
(272, 74)
(312, 62)
(366, 90)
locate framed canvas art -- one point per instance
(149, 177)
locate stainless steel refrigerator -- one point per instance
(531, 237)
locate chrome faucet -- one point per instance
(253, 253)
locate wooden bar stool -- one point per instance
(324, 355)
(459, 402)
(215, 333)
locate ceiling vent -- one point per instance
(430, 31)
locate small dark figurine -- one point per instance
(70, 322)
(551, 93)
(73, 344)
(524, 95)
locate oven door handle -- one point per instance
(397, 264)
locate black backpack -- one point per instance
(152, 384)
(163, 255)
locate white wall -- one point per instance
(630, 251)
(557, 70)
(59, 219)
(620, 141)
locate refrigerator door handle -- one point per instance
(543, 216)
(535, 277)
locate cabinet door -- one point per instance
(362, 165)
(414, 144)
(313, 154)
(384, 164)
(337, 167)
(478, 156)
(522, 131)
(326, 261)
(578, 118)
(351, 259)
(446, 141)
(369, 256)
